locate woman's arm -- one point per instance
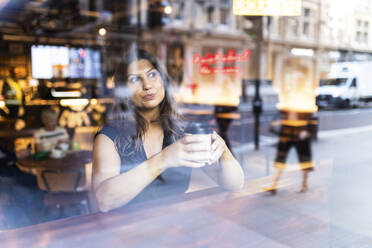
(231, 175)
(113, 189)
(226, 171)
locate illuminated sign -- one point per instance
(230, 57)
(267, 7)
(207, 70)
(218, 57)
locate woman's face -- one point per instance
(145, 84)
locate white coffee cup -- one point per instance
(57, 153)
(64, 146)
(204, 131)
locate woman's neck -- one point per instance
(150, 115)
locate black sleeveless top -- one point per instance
(175, 180)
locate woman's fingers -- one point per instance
(216, 154)
(218, 142)
(214, 136)
(194, 138)
(197, 147)
(203, 156)
(218, 148)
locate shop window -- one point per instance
(293, 23)
(306, 30)
(179, 9)
(366, 38)
(358, 34)
(225, 16)
(269, 23)
(366, 25)
(225, 7)
(307, 12)
(210, 14)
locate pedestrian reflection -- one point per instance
(146, 140)
(294, 130)
(224, 119)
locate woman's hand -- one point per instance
(218, 147)
(190, 151)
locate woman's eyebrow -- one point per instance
(152, 68)
(132, 74)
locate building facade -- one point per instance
(327, 31)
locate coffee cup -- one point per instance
(56, 153)
(64, 146)
(204, 131)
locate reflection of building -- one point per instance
(203, 28)
(326, 32)
(292, 45)
(345, 31)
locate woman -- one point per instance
(128, 157)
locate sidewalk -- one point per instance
(337, 209)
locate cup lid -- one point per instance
(198, 128)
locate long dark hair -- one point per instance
(126, 118)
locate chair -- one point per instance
(64, 188)
(24, 143)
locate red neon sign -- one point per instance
(218, 57)
(207, 70)
(209, 59)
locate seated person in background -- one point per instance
(144, 153)
(51, 135)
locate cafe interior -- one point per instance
(51, 58)
(56, 65)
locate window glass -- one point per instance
(174, 123)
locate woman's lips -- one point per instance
(149, 97)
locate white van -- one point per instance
(347, 84)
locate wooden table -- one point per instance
(72, 159)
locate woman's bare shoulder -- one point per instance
(104, 147)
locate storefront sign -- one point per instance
(267, 7)
(218, 57)
(230, 57)
(207, 70)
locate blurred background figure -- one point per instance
(294, 129)
(295, 126)
(175, 64)
(50, 135)
(13, 94)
